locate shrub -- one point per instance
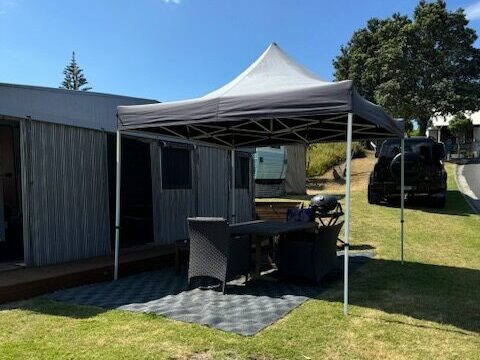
(322, 157)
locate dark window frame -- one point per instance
(172, 170)
(242, 167)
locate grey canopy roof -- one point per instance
(274, 101)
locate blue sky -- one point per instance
(176, 49)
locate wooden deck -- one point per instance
(28, 282)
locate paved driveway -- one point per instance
(469, 182)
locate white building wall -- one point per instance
(441, 121)
(445, 120)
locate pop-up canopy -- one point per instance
(275, 101)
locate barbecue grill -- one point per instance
(326, 208)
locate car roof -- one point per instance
(411, 140)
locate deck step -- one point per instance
(28, 282)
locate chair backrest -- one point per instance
(209, 245)
(330, 232)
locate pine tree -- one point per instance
(74, 78)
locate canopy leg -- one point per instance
(347, 213)
(117, 203)
(232, 190)
(402, 196)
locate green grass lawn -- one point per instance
(427, 308)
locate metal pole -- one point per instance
(347, 213)
(402, 194)
(117, 203)
(233, 215)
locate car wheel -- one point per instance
(373, 197)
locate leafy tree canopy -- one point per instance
(416, 67)
(73, 77)
(460, 124)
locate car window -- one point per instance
(392, 148)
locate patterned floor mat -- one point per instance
(244, 309)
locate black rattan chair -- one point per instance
(213, 253)
(309, 256)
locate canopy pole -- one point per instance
(232, 202)
(402, 195)
(117, 203)
(347, 213)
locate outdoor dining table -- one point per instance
(264, 229)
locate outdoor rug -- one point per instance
(244, 309)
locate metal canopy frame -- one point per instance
(270, 131)
(265, 131)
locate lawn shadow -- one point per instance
(474, 203)
(361, 247)
(43, 305)
(455, 205)
(419, 326)
(442, 294)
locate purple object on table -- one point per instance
(300, 215)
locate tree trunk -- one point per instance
(422, 125)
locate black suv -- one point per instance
(425, 174)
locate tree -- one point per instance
(416, 68)
(460, 125)
(73, 77)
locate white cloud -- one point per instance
(176, 2)
(473, 11)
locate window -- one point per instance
(176, 168)
(242, 173)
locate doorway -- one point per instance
(136, 193)
(11, 225)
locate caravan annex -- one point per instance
(57, 166)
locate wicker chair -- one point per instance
(309, 255)
(213, 253)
